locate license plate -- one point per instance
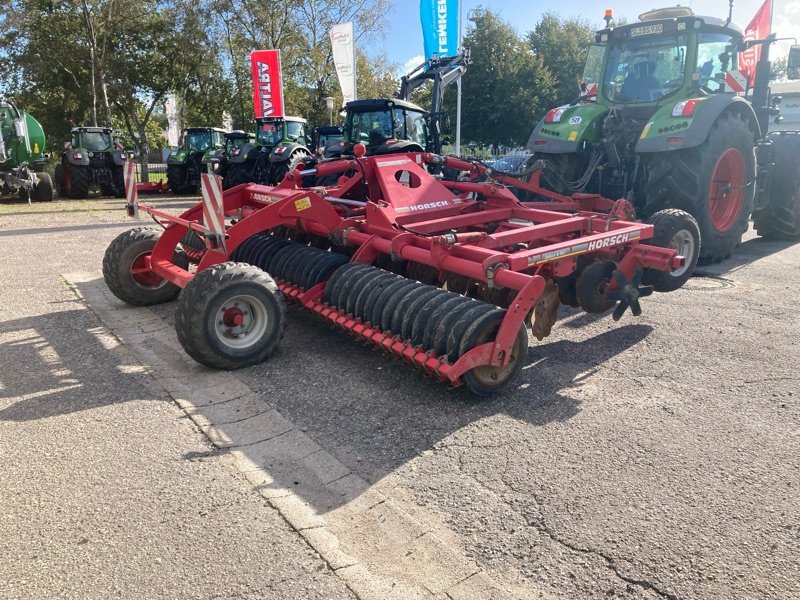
(646, 30)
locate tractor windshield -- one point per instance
(198, 140)
(94, 141)
(645, 69)
(370, 127)
(269, 134)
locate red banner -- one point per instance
(268, 93)
(758, 29)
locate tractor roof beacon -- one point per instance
(665, 118)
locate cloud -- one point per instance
(410, 64)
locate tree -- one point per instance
(506, 87)
(562, 46)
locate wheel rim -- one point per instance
(493, 376)
(241, 321)
(727, 190)
(143, 275)
(684, 243)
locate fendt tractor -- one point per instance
(281, 144)
(184, 164)
(396, 125)
(22, 157)
(660, 122)
(219, 158)
(90, 160)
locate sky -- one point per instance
(404, 39)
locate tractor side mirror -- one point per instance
(793, 63)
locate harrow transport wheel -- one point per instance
(126, 268)
(79, 178)
(678, 230)
(230, 315)
(489, 379)
(591, 287)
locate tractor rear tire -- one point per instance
(230, 315)
(678, 230)
(779, 219)
(125, 268)
(281, 169)
(61, 184)
(79, 179)
(43, 192)
(714, 182)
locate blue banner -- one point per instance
(440, 19)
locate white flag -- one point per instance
(344, 58)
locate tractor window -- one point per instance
(415, 128)
(217, 138)
(593, 68)
(716, 55)
(95, 141)
(645, 69)
(198, 140)
(294, 130)
(371, 127)
(269, 134)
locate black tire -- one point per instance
(683, 179)
(238, 292)
(126, 252)
(118, 181)
(678, 230)
(591, 286)
(79, 179)
(487, 380)
(43, 192)
(60, 183)
(280, 170)
(780, 216)
(176, 178)
(238, 173)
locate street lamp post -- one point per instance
(329, 103)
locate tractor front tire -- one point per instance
(176, 178)
(61, 184)
(230, 315)
(43, 192)
(677, 230)
(118, 181)
(79, 180)
(714, 182)
(126, 268)
(238, 173)
(280, 170)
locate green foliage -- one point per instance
(562, 46)
(506, 88)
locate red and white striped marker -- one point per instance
(736, 81)
(129, 175)
(213, 213)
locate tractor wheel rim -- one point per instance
(493, 376)
(142, 273)
(241, 321)
(684, 243)
(727, 190)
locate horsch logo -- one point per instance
(265, 88)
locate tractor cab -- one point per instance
(272, 131)
(91, 139)
(201, 139)
(384, 126)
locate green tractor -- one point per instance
(220, 158)
(184, 165)
(90, 159)
(281, 144)
(22, 158)
(659, 122)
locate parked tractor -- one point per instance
(659, 122)
(22, 157)
(219, 158)
(184, 165)
(325, 135)
(90, 160)
(281, 144)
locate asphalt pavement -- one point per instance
(654, 457)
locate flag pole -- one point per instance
(459, 92)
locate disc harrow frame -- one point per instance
(474, 237)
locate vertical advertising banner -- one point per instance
(440, 20)
(268, 93)
(758, 29)
(344, 55)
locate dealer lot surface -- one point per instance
(653, 457)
